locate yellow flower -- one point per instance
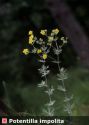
(30, 32)
(44, 56)
(50, 39)
(31, 39)
(26, 51)
(39, 51)
(32, 36)
(43, 32)
(55, 31)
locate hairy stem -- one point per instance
(63, 84)
(49, 107)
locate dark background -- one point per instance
(18, 73)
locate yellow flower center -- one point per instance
(43, 32)
(26, 51)
(30, 32)
(44, 56)
(39, 51)
(55, 31)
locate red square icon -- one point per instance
(4, 120)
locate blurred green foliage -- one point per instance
(31, 99)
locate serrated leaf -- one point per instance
(67, 99)
(61, 88)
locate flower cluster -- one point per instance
(41, 46)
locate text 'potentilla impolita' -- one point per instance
(35, 121)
